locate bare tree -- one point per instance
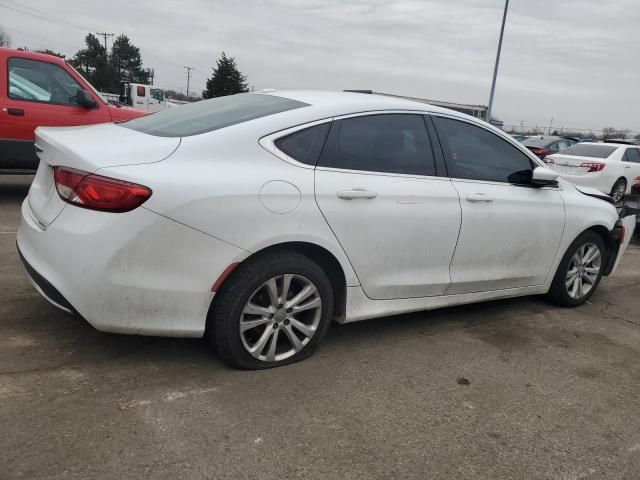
(624, 134)
(5, 39)
(608, 132)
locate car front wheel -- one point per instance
(579, 272)
(272, 311)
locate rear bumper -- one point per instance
(44, 287)
(135, 273)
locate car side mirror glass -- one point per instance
(84, 99)
(544, 177)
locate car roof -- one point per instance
(615, 145)
(345, 103)
(44, 57)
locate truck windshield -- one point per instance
(214, 114)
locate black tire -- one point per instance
(230, 301)
(617, 187)
(559, 292)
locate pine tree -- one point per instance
(226, 79)
(93, 63)
(126, 60)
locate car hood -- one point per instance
(122, 113)
(592, 192)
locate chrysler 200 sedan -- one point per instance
(257, 219)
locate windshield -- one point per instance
(214, 114)
(590, 150)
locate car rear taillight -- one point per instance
(96, 192)
(540, 152)
(593, 166)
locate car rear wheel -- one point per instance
(272, 311)
(618, 190)
(579, 272)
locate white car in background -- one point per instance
(258, 218)
(611, 168)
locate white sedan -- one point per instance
(611, 168)
(256, 219)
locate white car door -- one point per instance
(631, 162)
(510, 230)
(396, 219)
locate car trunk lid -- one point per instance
(88, 148)
(572, 164)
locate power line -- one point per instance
(45, 16)
(105, 35)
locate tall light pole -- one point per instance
(495, 68)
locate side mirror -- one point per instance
(84, 99)
(544, 177)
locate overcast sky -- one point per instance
(577, 61)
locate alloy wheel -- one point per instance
(280, 317)
(618, 192)
(583, 271)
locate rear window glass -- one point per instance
(209, 115)
(589, 150)
(538, 142)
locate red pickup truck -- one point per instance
(42, 90)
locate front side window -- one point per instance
(304, 145)
(41, 81)
(475, 153)
(214, 114)
(391, 143)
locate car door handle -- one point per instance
(356, 193)
(15, 111)
(479, 197)
(627, 166)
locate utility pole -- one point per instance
(550, 123)
(105, 35)
(495, 68)
(188, 78)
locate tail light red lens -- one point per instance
(96, 192)
(593, 166)
(540, 152)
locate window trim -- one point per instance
(268, 143)
(536, 162)
(43, 102)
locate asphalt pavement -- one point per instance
(513, 389)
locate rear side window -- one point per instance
(208, 115)
(391, 143)
(632, 155)
(475, 153)
(304, 145)
(590, 150)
